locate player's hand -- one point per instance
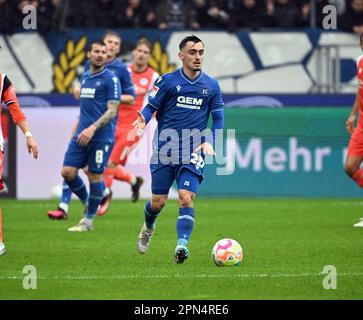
(86, 135)
(349, 124)
(139, 124)
(32, 147)
(206, 148)
(77, 91)
(139, 90)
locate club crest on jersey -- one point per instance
(154, 91)
(144, 81)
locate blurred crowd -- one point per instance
(227, 15)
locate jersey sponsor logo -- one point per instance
(154, 91)
(88, 93)
(189, 102)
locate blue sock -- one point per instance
(66, 193)
(185, 225)
(103, 187)
(150, 216)
(95, 198)
(77, 186)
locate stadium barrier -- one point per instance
(292, 152)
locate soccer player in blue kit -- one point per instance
(94, 138)
(113, 42)
(183, 101)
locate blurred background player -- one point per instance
(8, 97)
(355, 148)
(183, 100)
(92, 144)
(113, 42)
(143, 77)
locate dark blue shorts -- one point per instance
(95, 155)
(185, 175)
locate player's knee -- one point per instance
(186, 199)
(350, 169)
(111, 164)
(157, 204)
(68, 173)
(94, 177)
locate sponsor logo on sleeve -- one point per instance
(154, 91)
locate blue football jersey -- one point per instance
(183, 108)
(123, 74)
(96, 90)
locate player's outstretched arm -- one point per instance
(349, 124)
(218, 123)
(10, 99)
(86, 135)
(31, 144)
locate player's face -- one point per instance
(97, 55)
(113, 45)
(141, 55)
(192, 56)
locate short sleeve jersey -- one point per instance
(96, 90)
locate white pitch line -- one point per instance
(200, 276)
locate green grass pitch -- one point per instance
(286, 242)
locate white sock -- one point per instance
(106, 192)
(64, 207)
(88, 221)
(133, 181)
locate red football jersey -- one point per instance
(143, 83)
(360, 88)
(8, 96)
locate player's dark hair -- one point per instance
(99, 42)
(191, 38)
(146, 42)
(111, 33)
